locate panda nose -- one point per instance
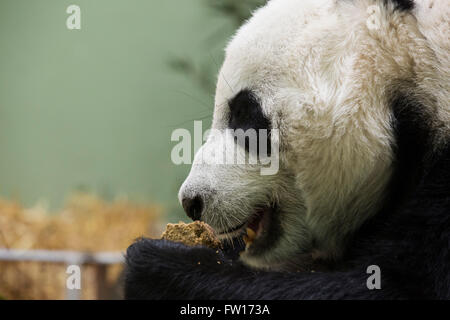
(193, 207)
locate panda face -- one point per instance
(315, 72)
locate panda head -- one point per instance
(334, 80)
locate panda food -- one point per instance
(192, 234)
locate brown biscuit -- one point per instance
(192, 234)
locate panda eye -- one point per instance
(246, 113)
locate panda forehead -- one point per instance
(274, 45)
(276, 26)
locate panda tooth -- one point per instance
(248, 242)
(251, 234)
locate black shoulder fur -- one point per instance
(403, 4)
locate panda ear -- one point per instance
(403, 5)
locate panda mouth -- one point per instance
(257, 226)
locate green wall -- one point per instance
(94, 109)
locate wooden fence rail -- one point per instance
(99, 260)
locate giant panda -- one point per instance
(358, 91)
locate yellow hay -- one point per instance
(87, 223)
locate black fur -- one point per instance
(412, 149)
(246, 113)
(403, 5)
(409, 240)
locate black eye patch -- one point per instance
(246, 113)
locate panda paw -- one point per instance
(169, 254)
(154, 266)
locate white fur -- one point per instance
(322, 77)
